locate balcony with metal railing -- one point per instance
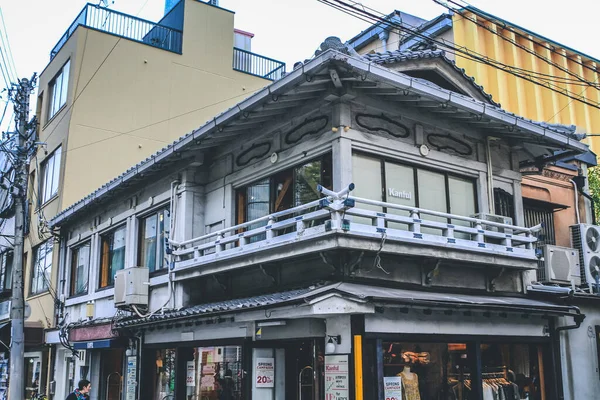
(342, 221)
(126, 26)
(257, 65)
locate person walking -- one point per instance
(227, 386)
(82, 392)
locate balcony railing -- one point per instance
(125, 26)
(257, 65)
(355, 217)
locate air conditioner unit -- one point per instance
(586, 239)
(131, 287)
(561, 265)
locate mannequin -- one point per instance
(410, 384)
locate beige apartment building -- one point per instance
(116, 90)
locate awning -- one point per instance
(99, 344)
(378, 295)
(463, 301)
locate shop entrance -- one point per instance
(304, 372)
(111, 367)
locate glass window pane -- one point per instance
(47, 181)
(117, 256)
(462, 201)
(400, 189)
(42, 268)
(219, 372)
(366, 174)
(307, 177)
(81, 262)
(148, 253)
(56, 171)
(65, 84)
(257, 205)
(432, 196)
(163, 227)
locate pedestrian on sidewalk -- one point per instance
(82, 392)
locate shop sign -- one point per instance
(131, 377)
(401, 194)
(265, 372)
(336, 378)
(392, 386)
(190, 379)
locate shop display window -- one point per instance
(450, 371)
(165, 374)
(217, 373)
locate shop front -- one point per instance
(461, 348)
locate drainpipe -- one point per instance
(575, 193)
(384, 36)
(490, 176)
(593, 206)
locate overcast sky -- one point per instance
(291, 30)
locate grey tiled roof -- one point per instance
(398, 56)
(223, 306)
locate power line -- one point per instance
(7, 45)
(120, 134)
(504, 25)
(515, 43)
(469, 54)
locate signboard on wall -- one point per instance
(190, 378)
(264, 372)
(392, 387)
(337, 386)
(131, 378)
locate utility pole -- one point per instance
(16, 388)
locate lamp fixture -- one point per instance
(332, 343)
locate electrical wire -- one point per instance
(529, 38)
(514, 42)
(464, 52)
(7, 44)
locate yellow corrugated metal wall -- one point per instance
(519, 95)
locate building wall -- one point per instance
(125, 101)
(579, 357)
(518, 95)
(553, 186)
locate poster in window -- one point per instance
(336, 377)
(265, 372)
(392, 387)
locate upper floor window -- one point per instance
(283, 190)
(58, 88)
(154, 229)
(112, 256)
(50, 175)
(406, 185)
(6, 264)
(80, 268)
(42, 268)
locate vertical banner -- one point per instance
(190, 378)
(337, 386)
(392, 387)
(264, 372)
(131, 378)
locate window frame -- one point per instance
(416, 167)
(74, 250)
(35, 268)
(4, 256)
(164, 210)
(42, 199)
(110, 280)
(58, 78)
(241, 195)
